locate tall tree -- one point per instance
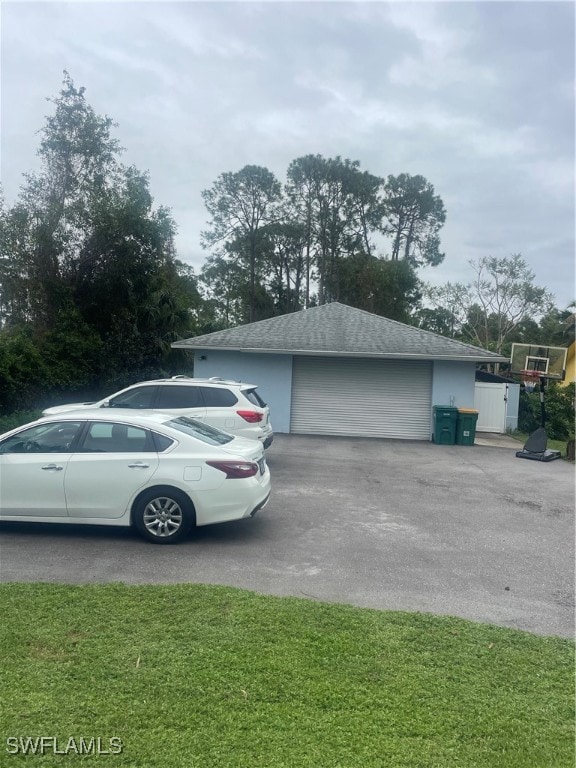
(338, 208)
(491, 307)
(307, 247)
(85, 247)
(304, 179)
(384, 287)
(47, 224)
(413, 217)
(287, 243)
(241, 204)
(556, 327)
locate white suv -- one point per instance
(228, 405)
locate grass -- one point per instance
(214, 677)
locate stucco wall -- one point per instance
(272, 374)
(453, 384)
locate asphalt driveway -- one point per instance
(467, 531)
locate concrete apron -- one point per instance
(496, 440)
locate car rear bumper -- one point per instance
(260, 506)
(264, 435)
(234, 499)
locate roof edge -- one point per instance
(490, 357)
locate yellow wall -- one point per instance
(570, 365)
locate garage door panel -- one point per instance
(375, 398)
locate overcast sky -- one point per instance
(478, 97)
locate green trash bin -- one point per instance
(466, 426)
(445, 418)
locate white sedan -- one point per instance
(160, 473)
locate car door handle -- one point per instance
(53, 467)
(139, 465)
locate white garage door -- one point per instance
(359, 397)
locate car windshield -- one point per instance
(200, 431)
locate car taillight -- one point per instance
(235, 469)
(251, 416)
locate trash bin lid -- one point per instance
(445, 408)
(467, 410)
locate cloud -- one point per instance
(200, 34)
(476, 96)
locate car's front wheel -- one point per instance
(163, 515)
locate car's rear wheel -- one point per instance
(163, 515)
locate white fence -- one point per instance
(497, 406)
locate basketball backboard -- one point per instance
(549, 362)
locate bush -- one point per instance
(70, 363)
(559, 408)
(23, 370)
(17, 418)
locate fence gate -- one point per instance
(490, 402)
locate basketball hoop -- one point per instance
(530, 379)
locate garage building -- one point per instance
(337, 370)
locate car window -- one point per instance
(55, 437)
(253, 397)
(200, 431)
(138, 397)
(162, 442)
(109, 437)
(215, 397)
(179, 397)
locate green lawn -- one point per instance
(212, 677)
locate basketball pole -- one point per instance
(531, 362)
(542, 407)
(535, 447)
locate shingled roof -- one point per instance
(338, 330)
